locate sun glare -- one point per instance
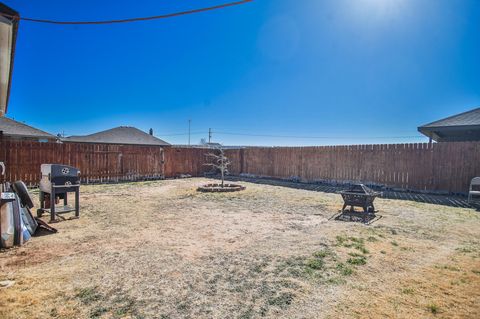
(377, 9)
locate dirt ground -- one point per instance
(163, 250)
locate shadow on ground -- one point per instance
(356, 217)
(447, 200)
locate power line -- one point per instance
(162, 16)
(211, 131)
(181, 134)
(316, 137)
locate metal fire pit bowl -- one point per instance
(359, 195)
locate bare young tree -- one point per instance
(220, 162)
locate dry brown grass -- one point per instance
(162, 250)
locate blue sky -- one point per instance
(348, 71)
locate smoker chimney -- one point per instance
(150, 131)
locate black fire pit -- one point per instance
(361, 196)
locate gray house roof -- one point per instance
(471, 117)
(12, 128)
(119, 135)
(459, 127)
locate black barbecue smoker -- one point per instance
(57, 181)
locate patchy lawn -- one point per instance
(162, 250)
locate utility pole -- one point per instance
(209, 135)
(189, 124)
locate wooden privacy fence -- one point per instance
(421, 166)
(97, 162)
(185, 160)
(432, 167)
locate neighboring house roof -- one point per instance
(206, 146)
(12, 128)
(213, 145)
(471, 117)
(460, 127)
(119, 135)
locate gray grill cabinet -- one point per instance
(57, 181)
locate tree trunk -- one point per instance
(222, 177)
